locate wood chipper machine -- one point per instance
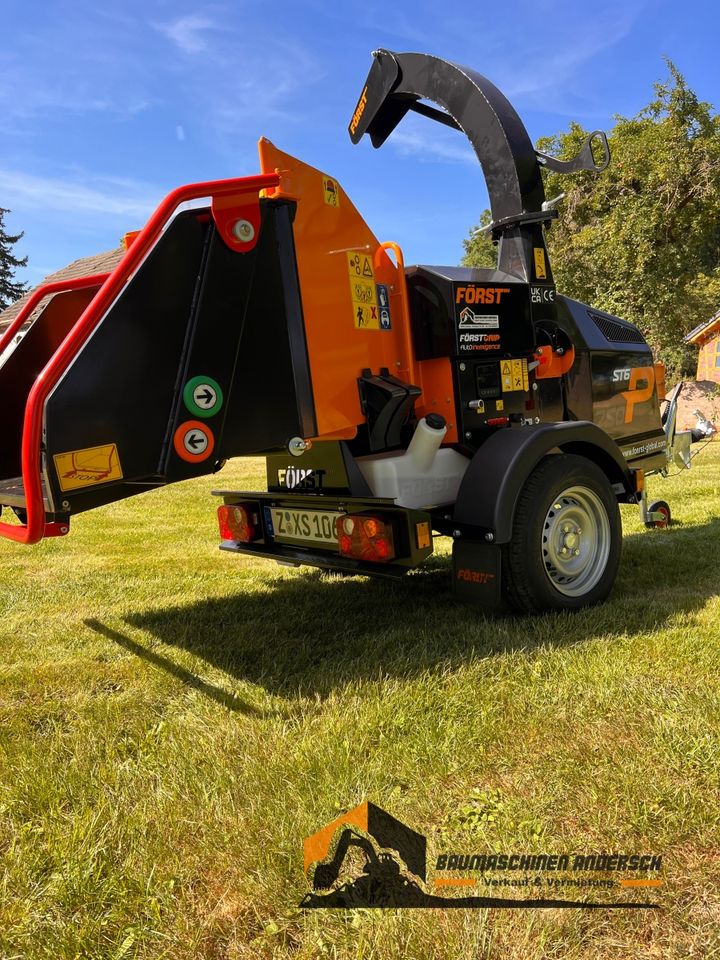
(392, 403)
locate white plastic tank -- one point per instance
(424, 475)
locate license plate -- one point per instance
(303, 526)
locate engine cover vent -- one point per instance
(617, 332)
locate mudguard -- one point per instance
(491, 486)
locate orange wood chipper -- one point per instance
(393, 403)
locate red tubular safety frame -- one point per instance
(35, 527)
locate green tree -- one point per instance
(10, 289)
(642, 239)
(480, 251)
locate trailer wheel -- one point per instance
(659, 506)
(567, 537)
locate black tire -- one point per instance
(659, 506)
(551, 563)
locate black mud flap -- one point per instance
(477, 573)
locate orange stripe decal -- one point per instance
(641, 883)
(453, 882)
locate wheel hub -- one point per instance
(571, 540)
(576, 541)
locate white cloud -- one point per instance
(102, 77)
(432, 147)
(188, 33)
(180, 132)
(585, 41)
(105, 197)
(237, 81)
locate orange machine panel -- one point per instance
(353, 294)
(436, 382)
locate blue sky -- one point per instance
(104, 107)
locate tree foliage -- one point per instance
(10, 289)
(642, 239)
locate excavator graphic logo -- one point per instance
(387, 873)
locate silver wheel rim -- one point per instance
(576, 541)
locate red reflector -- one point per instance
(238, 522)
(365, 538)
(383, 549)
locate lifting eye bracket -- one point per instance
(584, 160)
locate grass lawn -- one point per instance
(174, 720)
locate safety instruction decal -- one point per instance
(331, 192)
(85, 468)
(363, 292)
(514, 375)
(384, 306)
(540, 268)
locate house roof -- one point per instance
(704, 331)
(85, 267)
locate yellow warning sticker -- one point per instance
(540, 268)
(506, 374)
(514, 375)
(84, 468)
(331, 192)
(499, 406)
(517, 374)
(363, 291)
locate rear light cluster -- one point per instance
(238, 521)
(365, 538)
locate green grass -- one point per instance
(174, 720)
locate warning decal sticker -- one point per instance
(331, 192)
(540, 268)
(514, 374)
(363, 292)
(384, 306)
(84, 468)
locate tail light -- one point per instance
(365, 538)
(238, 521)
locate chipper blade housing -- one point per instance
(225, 330)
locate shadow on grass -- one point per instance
(312, 633)
(221, 696)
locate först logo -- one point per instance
(359, 111)
(475, 576)
(485, 295)
(293, 477)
